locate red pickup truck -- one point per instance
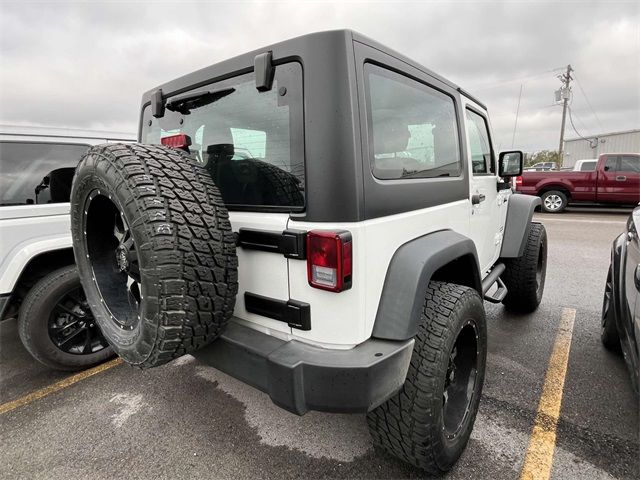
(616, 180)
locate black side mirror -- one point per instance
(510, 163)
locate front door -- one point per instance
(620, 181)
(486, 204)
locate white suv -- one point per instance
(340, 263)
(38, 279)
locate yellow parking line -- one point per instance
(56, 387)
(539, 459)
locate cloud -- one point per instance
(86, 64)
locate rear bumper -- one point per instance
(300, 377)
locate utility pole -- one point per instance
(565, 94)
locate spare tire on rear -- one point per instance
(154, 249)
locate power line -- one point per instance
(584, 94)
(488, 86)
(515, 126)
(574, 127)
(583, 125)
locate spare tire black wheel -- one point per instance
(154, 249)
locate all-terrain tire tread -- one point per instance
(404, 425)
(189, 245)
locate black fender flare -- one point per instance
(618, 280)
(410, 270)
(520, 210)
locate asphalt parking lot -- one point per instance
(187, 420)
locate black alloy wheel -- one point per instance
(460, 380)
(56, 325)
(116, 267)
(72, 327)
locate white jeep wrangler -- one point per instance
(39, 283)
(328, 215)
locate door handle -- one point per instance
(621, 178)
(476, 198)
(636, 277)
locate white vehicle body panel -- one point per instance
(346, 319)
(24, 238)
(261, 273)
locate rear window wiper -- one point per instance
(185, 103)
(425, 174)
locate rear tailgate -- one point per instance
(261, 272)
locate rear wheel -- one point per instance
(56, 325)
(154, 249)
(554, 201)
(609, 331)
(429, 421)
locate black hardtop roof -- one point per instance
(289, 48)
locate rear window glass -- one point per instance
(35, 173)
(412, 127)
(250, 142)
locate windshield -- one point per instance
(251, 142)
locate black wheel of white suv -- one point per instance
(56, 325)
(429, 421)
(154, 249)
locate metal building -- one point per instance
(614, 142)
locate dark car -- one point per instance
(621, 303)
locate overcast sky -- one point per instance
(86, 64)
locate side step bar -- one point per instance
(490, 280)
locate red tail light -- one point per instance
(329, 260)
(519, 181)
(181, 140)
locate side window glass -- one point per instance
(629, 163)
(412, 127)
(611, 163)
(35, 173)
(479, 143)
